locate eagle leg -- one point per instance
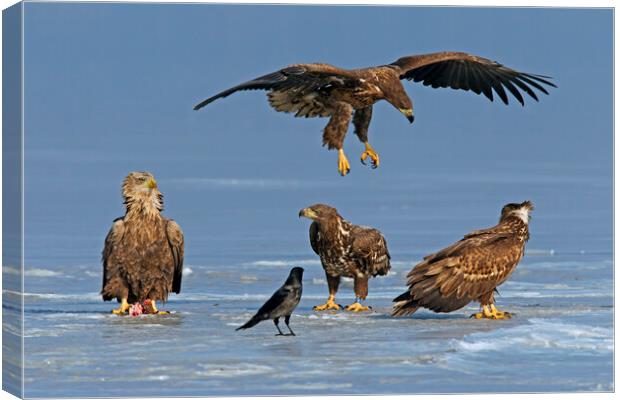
(123, 309)
(370, 152)
(357, 307)
(360, 286)
(343, 164)
(491, 313)
(330, 304)
(156, 311)
(332, 283)
(361, 121)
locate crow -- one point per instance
(281, 304)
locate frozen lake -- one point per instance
(560, 339)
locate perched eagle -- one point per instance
(143, 252)
(322, 90)
(470, 269)
(345, 249)
(281, 304)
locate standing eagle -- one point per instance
(345, 249)
(323, 90)
(143, 252)
(469, 269)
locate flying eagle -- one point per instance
(281, 304)
(143, 252)
(345, 249)
(469, 269)
(323, 90)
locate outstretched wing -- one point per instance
(304, 79)
(176, 242)
(112, 240)
(468, 72)
(370, 250)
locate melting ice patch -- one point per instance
(231, 371)
(539, 334)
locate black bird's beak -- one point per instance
(411, 118)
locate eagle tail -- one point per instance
(253, 321)
(404, 305)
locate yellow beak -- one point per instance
(152, 184)
(308, 213)
(407, 112)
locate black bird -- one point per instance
(281, 304)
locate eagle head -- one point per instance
(319, 212)
(395, 94)
(519, 210)
(141, 193)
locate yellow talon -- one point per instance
(155, 311)
(329, 305)
(343, 163)
(370, 152)
(356, 307)
(124, 307)
(492, 313)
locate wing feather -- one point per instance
(369, 248)
(314, 237)
(452, 277)
(176, 242)
(112, 240)
(304, 78)
(463, 71)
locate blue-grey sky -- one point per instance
(109, 88)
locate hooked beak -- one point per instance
(407, 112)
(152, 184)
(308, 213)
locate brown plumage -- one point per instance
(143, 252)
(322, 90)
(345, 249)
(469, 269)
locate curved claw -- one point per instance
(343, 164)
(330, 304)
(493, 313)
(370, 152)
(122, 309)
(357, 307)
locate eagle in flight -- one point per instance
(323, 90)
(469, 269)
(345, 249)
(143, 252)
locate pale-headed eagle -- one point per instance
(470, 269)
(322, 90)
(345, 249)
(143, 252)
(281, 304)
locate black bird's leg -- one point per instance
(286, 319)
(276, 322)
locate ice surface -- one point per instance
(241, 241)
(560, 339)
